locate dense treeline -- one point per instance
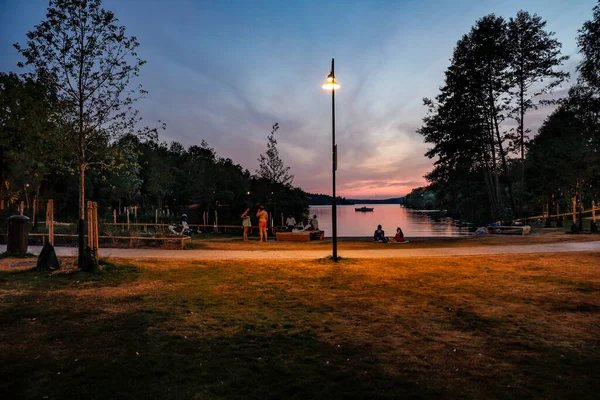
(485, 170)
(130, 171)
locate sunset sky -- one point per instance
(226, 71)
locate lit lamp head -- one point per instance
(331, 83)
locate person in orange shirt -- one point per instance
(263, 217)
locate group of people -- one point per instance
(379, 236)
(263, 217)
(306, 224)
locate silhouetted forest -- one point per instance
(147, 174)
(487, 165)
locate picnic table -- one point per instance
(301, 236)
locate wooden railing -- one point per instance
(182, 240)
(206, 227)
(592, 211)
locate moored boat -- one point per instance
(363, 209)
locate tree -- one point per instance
(27, 153)
(589, 48)
(122, 172)
(463, 121)
(497, 71)
(534, 55)
(556, 163)
(584, 98)
(271, 166)
(87, 58)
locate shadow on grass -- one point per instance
(214, 332)
(133, 355)
(109, 275)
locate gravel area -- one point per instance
(314, 254)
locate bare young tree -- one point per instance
(271, 165)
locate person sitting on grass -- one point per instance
(379, 235)
(399, 238)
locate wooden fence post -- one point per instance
(115, 216)
(127, 212)
(50, 221)
(156, 217)
(574, 210)
(96, 238)
(22, 207)
(90, 218)
(593, 211)
(34, 210)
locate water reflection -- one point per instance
(414, 223)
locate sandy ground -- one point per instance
(384, 251)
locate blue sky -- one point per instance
(225, 71)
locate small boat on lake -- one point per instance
(363, 209)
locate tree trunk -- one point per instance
(502, 156)
(522, 129)
(488, 184)
(2, 177)
(81, 225)
(34, 211)
(495, 183)
(80, 96)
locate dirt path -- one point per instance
(320, 253)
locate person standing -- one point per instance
(305, 217)
(263, 217)
(246, 223)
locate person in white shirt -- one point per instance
(290, 222)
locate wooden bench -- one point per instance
(305, 236)
(507, 230)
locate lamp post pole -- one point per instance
(333, 168)
(331, 84)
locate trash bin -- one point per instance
(18, 234)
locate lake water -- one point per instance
(414, 223)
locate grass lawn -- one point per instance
(423, 328)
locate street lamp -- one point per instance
(331, 84)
